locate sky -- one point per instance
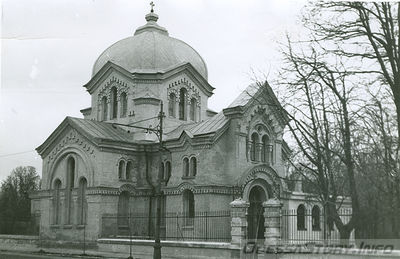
(48, 48)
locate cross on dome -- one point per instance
(152, 5)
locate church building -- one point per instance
(109, 162)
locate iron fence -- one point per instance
(310, 227)
(20, 225)
(202, 226)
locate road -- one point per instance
(16, 255)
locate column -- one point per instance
(259, 147)
(238, 221)
(187, 110)
(272, 215)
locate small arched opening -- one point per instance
(114, 103)
(123, 210)
(124, 105)
(182, 104)
(255, 215)
(172, 105)
(56, 202)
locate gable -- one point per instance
(95, 132)
(254, 97)
(108, 72)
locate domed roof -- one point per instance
(150, 50)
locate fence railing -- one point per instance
(202, 226)
(20, 226)
(310, 227)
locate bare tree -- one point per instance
(368, 33)
(321, 109)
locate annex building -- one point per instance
(100, 174)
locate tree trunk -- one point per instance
(397, 103)
(344, 236)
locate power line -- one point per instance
(13, 154)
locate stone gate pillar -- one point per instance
(238, 221)
(272, 223)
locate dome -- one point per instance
(150, 50)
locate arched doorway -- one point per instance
(255, 216)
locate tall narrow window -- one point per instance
(193, 166)
(114, 103)
(253, 147)
(124, 105)
(193, 109)
(188, 207)
(185, 167)
(82, 201)
(182, 104)
(301, 217)
(56, 201)
(70, 187)
(315, 215)
(104, 107)
(172, 105)
(167, 171)
(123, 210)
(121, 169)
(271, 154)
(265, 149)
(129, 173)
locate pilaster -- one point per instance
(238, 221)
(272, 223)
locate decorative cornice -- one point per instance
(157, 77)
(147, 100)
(201, 189)
(72, 137)
(111, 191)
(191, 89)
(121, 86)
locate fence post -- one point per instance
(238, 221)
(272, 223)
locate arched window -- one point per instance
(301, 217)
(185, 167)
(121, 169)
(167, 171)
(104, 107)
(188, 207)
(315, 215)
(265, 149)
(123, 210)
(193, 166)
(182, 104)
(193, 109)
(124, 105)
(114, 103)
(253, 147)
(70, 187)
(172, 105)
(56, 202)
(128, 172)
(82, 213)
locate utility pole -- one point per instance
(159, 132)
(157, 243)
